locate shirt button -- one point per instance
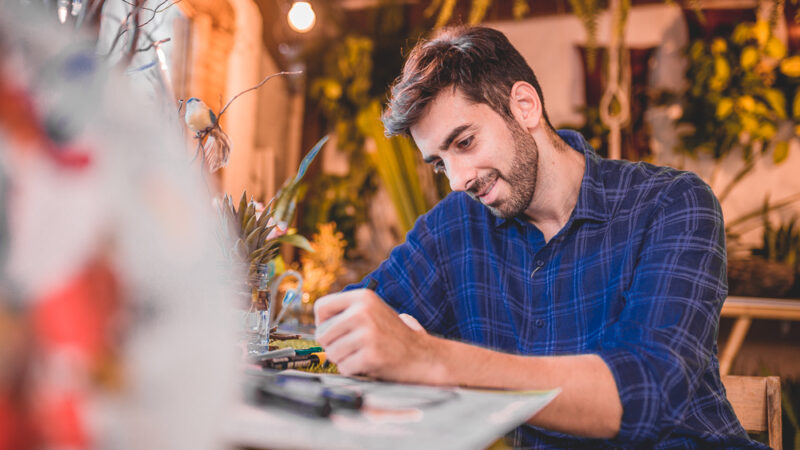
(539, 323)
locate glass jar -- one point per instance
(257, 319)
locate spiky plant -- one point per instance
(255, 239)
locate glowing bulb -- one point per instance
(301, 17)
(62, 10)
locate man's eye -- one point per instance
(438, 167)
(465, 142)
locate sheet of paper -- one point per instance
(394, 416)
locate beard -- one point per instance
(521, 176)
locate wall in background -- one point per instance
(549, 44)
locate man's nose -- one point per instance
(459, 175)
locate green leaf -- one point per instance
(242, 209)
(309, 158)
(796, 105)
(776, 101)
(781, 152)
(252, 240)
(258, 253)
(263, 219)
(241, 249)
(269, 256)
(251, 223)
(295, 240)
(227, 206)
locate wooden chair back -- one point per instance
(757, 404)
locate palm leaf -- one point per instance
(252, 240)
(295, 240)
(301, 171)
(242, 209)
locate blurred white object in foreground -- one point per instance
(110, 256)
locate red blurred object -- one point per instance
(21, 123)
(75, 330)
(716, 22)
(17, 430)
(80, 314)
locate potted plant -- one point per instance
(252, 236)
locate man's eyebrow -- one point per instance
(429, 159)
(453, 135)
(449, 140)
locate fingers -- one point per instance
(353, 364)
(411, 322)
(362, 334)
(338, 314)
(331, 305)
(345, 347)
(334, 328)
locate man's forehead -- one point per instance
(444, 113)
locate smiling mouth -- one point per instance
(487, 189)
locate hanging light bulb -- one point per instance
(62, 9)
(301, 16)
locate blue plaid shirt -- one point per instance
(636, 276)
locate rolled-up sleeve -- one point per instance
(664, 339)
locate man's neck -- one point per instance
(559, 182)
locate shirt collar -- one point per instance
(591, 204)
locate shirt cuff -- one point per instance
(639, 394)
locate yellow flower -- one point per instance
(746, 103)
(722, 73)
(742, 33)
(775, 48)
(749, 125)
(791, 66)
(724, 108)
(333, 90)
(767, 130)
(719, 46)
(761, 32)
(749, 57)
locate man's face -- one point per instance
(493, 160)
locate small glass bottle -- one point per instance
(258, 316)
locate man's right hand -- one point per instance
(363, 335)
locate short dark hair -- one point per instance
(479, 61)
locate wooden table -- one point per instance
(745, 309)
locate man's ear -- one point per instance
(525, 105)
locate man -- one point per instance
(548, 267)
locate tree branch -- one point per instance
(221, 111)
(154, 44)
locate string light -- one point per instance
(301, 17)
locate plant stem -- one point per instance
(760, 210)
(221, 111)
